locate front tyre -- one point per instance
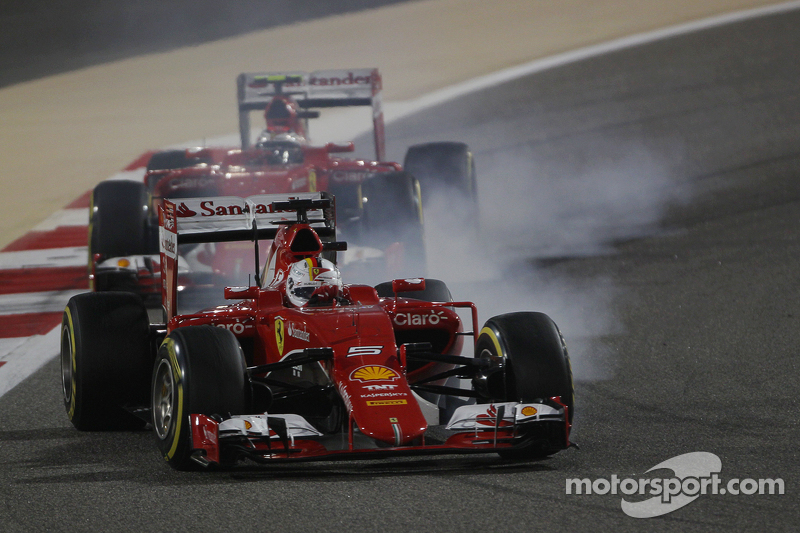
(537, 368)
(198, 370)
(118, 218)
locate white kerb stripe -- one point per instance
(64, 217)
(50, 257)
(36, 302)
(26, 356)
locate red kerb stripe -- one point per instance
(22, 280)
(81, 201)
(141, 161)
(86, 198)
(25, 325)
(61, 237)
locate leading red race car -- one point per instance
(302, 366)
(379, 203)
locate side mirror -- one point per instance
(241, 293)
(408, 285)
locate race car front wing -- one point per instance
(471, 428)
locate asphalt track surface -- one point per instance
(698, 284)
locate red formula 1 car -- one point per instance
(379, 203)
(301, 366)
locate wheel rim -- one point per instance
(163, 404)
(66, 364)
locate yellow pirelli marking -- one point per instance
(495, 341)
(73, 387)
(372, 403)
(178, 384)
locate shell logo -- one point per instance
(528, 411)
(374, 373)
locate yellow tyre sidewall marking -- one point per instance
(72, 385)
(490, 332)
(492, 335)
(418, 191)
(178, 384)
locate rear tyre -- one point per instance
(446, 173)
(198, 370)
(105, 360)
(348, 202)
(443, 166)
(538, 368)
(392, 213)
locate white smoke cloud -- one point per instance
(530, 212)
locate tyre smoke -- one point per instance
(536, 218)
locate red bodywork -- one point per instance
(368, 369)
(285, 100)
(236, 172)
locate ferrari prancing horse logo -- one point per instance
(279, 337)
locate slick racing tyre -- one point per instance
(118, 215)
(446, 174)
(392, 213)
(105, 360)
(118, 228)
(443, 167)
(435, 291)
(198, 370)
(538, 368)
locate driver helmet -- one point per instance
(281, 116)
(307, 276)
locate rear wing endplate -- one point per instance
(318, 89)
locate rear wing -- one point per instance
(226, 219)
(318, 89)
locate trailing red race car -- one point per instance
(300, 365)
(379, 203)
